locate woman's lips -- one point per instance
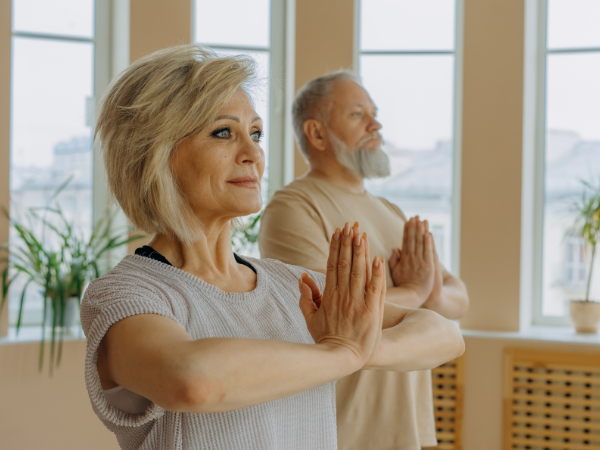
(245, 182)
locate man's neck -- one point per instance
(340, 177)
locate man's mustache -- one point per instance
(375, 135)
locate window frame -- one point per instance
(281, 94)
(537, 36)
(101, 79)
(457, 111)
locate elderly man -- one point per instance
(338, 133)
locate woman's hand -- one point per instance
(349, 313)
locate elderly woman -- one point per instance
(191, 346)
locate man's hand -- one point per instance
(414, 267)
(438, 279)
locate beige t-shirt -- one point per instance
(375, 409)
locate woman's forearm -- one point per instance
(223, 374)
(421, 340)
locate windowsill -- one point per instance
(34, 334)
(539, 333)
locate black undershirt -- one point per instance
(149, 252)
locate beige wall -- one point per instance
(324, 43)
(39, 412)
(491, 162)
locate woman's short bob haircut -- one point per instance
(149, 109)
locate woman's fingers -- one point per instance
(307, 306)
(373, 296)
(358, 274)
(344, 264)
(314, 289)
(429, 249)
(332, 261)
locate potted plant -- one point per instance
(60, 262)
(585, 314)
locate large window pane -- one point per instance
(414, 95)
(62, 17)
(572, 154)
(407, 25)
(50, 137)
(233, 23)
(573, 24)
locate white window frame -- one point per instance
(534, 146)
(281, 93)
(457, 112)
(101, 79)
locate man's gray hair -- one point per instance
(309, 103)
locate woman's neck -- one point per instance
(210, 258)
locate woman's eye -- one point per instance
(257, 135)
(223, 133)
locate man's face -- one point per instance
(354, 131)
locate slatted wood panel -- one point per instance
(448, 384)
(551, 400)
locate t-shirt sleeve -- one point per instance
(292, 231)
(395, 209)
(107, 301)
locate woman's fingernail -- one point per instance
(304, 275)
(382, 260)
(355, 224)
(357, 239)
(364, 236)
(336, 235)
(347, 229)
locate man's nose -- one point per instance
(374, 125)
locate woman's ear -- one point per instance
(316, 135)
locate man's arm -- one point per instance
(449, 295)
(415, 339)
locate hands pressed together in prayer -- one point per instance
(349, 313)
(416, 265)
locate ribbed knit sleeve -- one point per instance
(107, 301)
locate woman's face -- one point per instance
(220, 169)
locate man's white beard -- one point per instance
(361, 161)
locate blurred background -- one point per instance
(491, 118)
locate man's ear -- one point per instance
(316, 135)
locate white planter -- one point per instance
(585, 316)
(71, 312)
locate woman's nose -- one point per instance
(249, 152)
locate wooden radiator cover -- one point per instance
(448, 383)
(551, 400)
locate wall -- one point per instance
(483, 407)
(39, 412)
(324, 43)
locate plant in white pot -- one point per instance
(585, 314)
(60, 262)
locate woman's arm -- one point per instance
(154, 357)
(415, 339)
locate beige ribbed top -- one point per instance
(139, 285)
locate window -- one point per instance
(568, 120)
(407, 61)
(56, 47)
(264, 39)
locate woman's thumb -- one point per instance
(307, 306)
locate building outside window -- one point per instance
(55, 53)
(407, 61)
(569, 147)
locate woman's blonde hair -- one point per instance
(149, 109)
